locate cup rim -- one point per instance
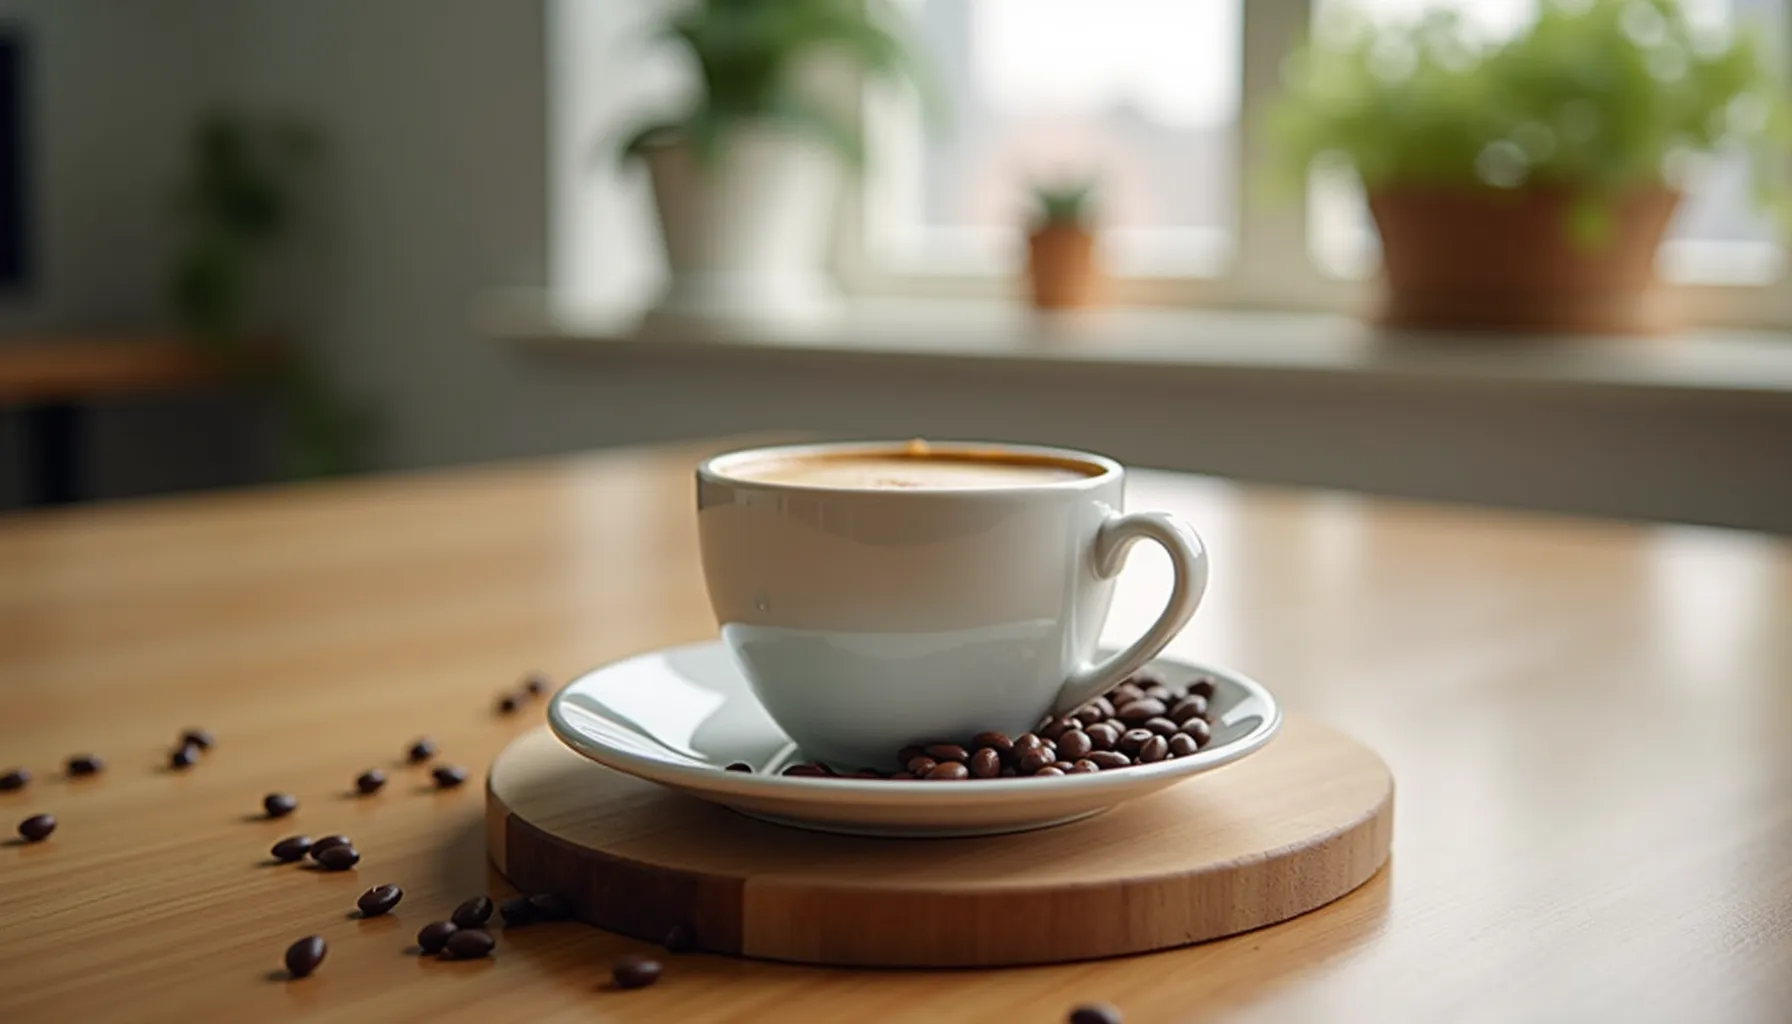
(715, 468)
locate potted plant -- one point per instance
(746, 178)
(1063, 264)
(1527, 184)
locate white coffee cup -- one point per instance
(867, 619)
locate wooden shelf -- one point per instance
(35, 372)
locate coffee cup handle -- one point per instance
(1189, 557)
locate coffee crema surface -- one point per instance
(900, 470)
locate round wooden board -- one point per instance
(1291, 828)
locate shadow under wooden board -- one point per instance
(1282, 832)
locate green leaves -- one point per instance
(1598, 94)
(1064, 203)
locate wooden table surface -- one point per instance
(1590, 725)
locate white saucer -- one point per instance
(679, 715)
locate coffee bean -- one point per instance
(1025, 740)
(549, 906)
(1073, 744)
(1083, 767)
(902, 776)
(291, 848)
(1139, 711)
(1110, 759)
(1033, 758)
(1160, 725)
(1050, 769)
(1203, 687)
(909, 753)
(920, 765)
(185, 757)
(536, 683)
(317, 848)
(1182, 745)
(1132, 739)
(948, 752)
(1155, 749)
(279, 805)
(1095, 1013)
(472, 913)
(948, 771)
(635, 971)
(1191, 706)
(1008, 772)
(303, 956)
(1145, 679)
(370, 781)
(448, 776)
(1160, 693)
(739, 766)
(337, 858)
(201, 738)
(38, 827)
(1056, 728)
(15, 778)
(86, 764)
(986, 763)
(468, 944)
(508, 703)
(422, 750)
(680, 939)
(1198, 730)
(997, 741)
(435, 935)
(1102, 706)
(379, 899)
(1103, 735)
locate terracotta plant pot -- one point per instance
(1063, 267)
(1457, 258)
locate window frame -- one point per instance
(1272, 265)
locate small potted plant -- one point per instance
(1527, 184)
(1063, 262)
(746, 177)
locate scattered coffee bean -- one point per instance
(1103, 735)
(370, 781)
(435, 935)
(1062, 765)
(1145, 679)
(422, 750)
(1050, 769)
(739, 766)
(468, 944)
(1034, 758)
(1155, 749)
(318, 847)
(997, 741)
(548, 906)
(635, 971)
(1125, 693)
(1101, 706)
(948, 771)
(291, 848)
(86, 764)
(1160, 725)
(986, 763)
(279, 805)
(1110, 759)
(472, 913)
(303, 956)
(948, 752)
(184, 757)
(37, 828)
(1132, 739)
(1095, 1013)
(1182, 745)
(680, 939)
(1191, 706)
(1075, 743)
(1203, 687)
(813, 771)
(201, 738)
(920, 765)
(1198, 730)
(1139, 711)
(536, 683)
(448, 776)
(15, 778)
(379, 899)
(337, 858)
(508, 703)
(909, 753)
(1083, 767)
(517, 912)
(1056, 728)
(1159, 693)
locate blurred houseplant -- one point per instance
(234, 206)
(1062, 259)
(1527, 185)
(746, 178)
